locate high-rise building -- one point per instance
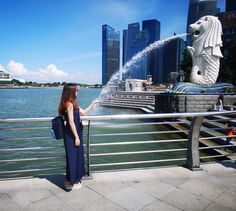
(198, 9)
(230, 5)
(134, 41)
(110, 52)
(124, 46)
(172, 57)
(151, 29)
(228, 22)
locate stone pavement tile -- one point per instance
(185, 200)
(138, 175)
(49, 204)
(228, 180)
(203, 187)
(112, 177)
(25, 197)
(130, 198)
(7, 204)
(15, 184)
(219, 168)
(217, 207)
(228, 199)
(106, 188)
(154, 188)
(159, 205)
(176, 182)
(87, 199)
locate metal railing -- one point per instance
(116, 142)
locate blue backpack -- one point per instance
(58, 124)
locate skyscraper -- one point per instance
(172, 56)
(198, 9)
(230, 5)
(135, 40)
(110, 52)
(228, 22)
(151, 29)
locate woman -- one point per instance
(73, 137)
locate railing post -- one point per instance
(193, 159)
(88, 150)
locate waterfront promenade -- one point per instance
(172, 188)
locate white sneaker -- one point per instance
(77, 186)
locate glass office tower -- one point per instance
(134, 41)
(198, 9)
(172, 56)
(228, 22)
(110, 52)
(230, 5)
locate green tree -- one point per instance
(186, 65)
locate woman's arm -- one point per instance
(87, 110)
(70, 111)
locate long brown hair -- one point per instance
(68, 96)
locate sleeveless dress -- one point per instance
(75, 165)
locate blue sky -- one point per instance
(61, 40)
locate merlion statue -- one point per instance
(205, 53)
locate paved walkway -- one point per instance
(174, 188)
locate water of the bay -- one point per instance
(43, 102)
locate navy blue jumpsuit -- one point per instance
(75, 167)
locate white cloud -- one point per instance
(50, 73)
(2, 68)
(16, 69)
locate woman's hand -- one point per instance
(96, 102)
(77, 142)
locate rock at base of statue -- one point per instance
(218, 88)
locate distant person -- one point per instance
(130, 86)
(73, 138)
(229, 132)
(219, 104)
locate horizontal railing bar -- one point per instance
(215, 137)
(138, 133)
(210, 129)
(213, 156)
(138, 142)
(124, 116)
(29, 148)
(221, 146)
(137, 162)
(137, 152)
(30, 159)
(30, 170)
(25, 128)
(217, 120)
(135, 124)
(26, 138)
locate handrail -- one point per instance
(124, 116)
(130, 143)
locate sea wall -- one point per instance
(169, 103)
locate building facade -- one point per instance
(110, 52)
(198, 9)
(228, 22)
(172, 57)
(5, 78)
(230, 5)
(134, 41)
